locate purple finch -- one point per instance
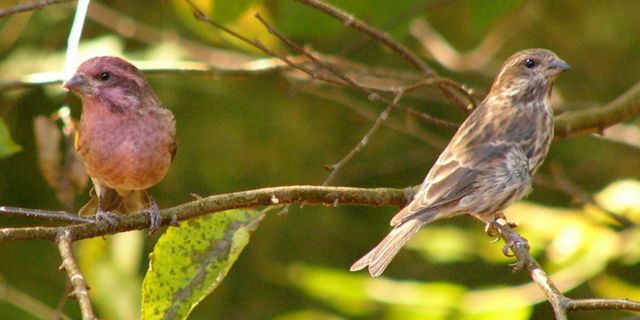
(490, 161)
(126, 137)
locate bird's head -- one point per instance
(109, 79)
(528, 74)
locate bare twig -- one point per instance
(484, 52)
(29, 304)
(386, 39)
(342, 79)
(602, 304)
(31, 6)
(338, 96)
(43, 214)
(559, 302)
(216, 203)
(69, 264)
(596, 119)
(353, 22)
(362, 143)
(527, 262)
(560, 181)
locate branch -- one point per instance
(602, 304)
(43, 214)
(31, 6)
(594, 120)
(342, 79)
(29, 304)
(69, 264)
(245, 199)
(559, 302)
(384, 38)
(335, 168)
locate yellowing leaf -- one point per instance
(189, 261)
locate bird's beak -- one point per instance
(78, 83)
(556, 67)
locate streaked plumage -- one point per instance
(489, 162)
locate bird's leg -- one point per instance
(112, 218)
(499, 227)
(105, 201)
(154, 214)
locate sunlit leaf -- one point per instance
(7, 146)
(189, 261)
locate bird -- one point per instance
(489, 162)
(126, 138)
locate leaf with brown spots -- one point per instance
(189, 261)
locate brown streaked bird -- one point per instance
(126, 137)
(490, 161)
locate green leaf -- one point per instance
(189, 261)
(7, 146)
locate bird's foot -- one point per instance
(514, 240)
(154, 215)
(497, 229)
(111, 218)
(174, 221)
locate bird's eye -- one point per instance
(530, 63)
(104, 76)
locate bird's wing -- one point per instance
(474, 147)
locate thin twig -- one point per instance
(371, 94)
(29, 304)
(527, 262)
(596, 119)
(343, 79)
(386, 39)
(362, 143)
(561, 182)
(69, 264)
(31, 6)
(338, 96)
(602, 304)
(559, 302)
(44, 214)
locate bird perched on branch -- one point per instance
(490, 161)
(126, 138)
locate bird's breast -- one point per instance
(126, 151)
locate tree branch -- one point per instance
(383, 37)
(69, 264)
(559, 302)
(245, 199)
(31, 6)
(43, 214)
(386, 39)
(596, 119)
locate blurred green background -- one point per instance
(246, 130)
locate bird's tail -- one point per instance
(379, 257)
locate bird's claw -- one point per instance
(493, 231)
(155, 217)
(515, 240)
(111, 218)
(174, 221)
